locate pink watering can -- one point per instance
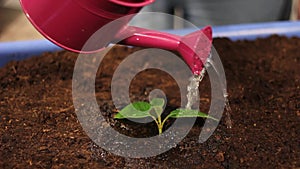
(70, 23)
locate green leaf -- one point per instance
(158, 106)
(157, 102)
(134, 110)
(178, 113)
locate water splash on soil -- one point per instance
(228, 111)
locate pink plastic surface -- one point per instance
(132, 3)
(70, 23)
(194, 47)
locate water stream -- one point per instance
(193, 89)
(193, 92)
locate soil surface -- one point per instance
(39, 127)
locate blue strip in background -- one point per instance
(24, 49)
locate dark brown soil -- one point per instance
(39, 128)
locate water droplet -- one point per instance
(228, 111)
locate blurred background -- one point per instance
(14, 26)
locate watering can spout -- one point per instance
(194, 47)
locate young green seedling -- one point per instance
(154, 109)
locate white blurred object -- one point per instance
(14, 24)
(294, 13)
(12, 4)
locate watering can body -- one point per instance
(70, 23)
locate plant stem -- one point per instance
(160, 129)
(158, 123)
(158, 112)
(165, 119)
(161, 124)
(155, 120)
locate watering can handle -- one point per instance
(132, 4)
